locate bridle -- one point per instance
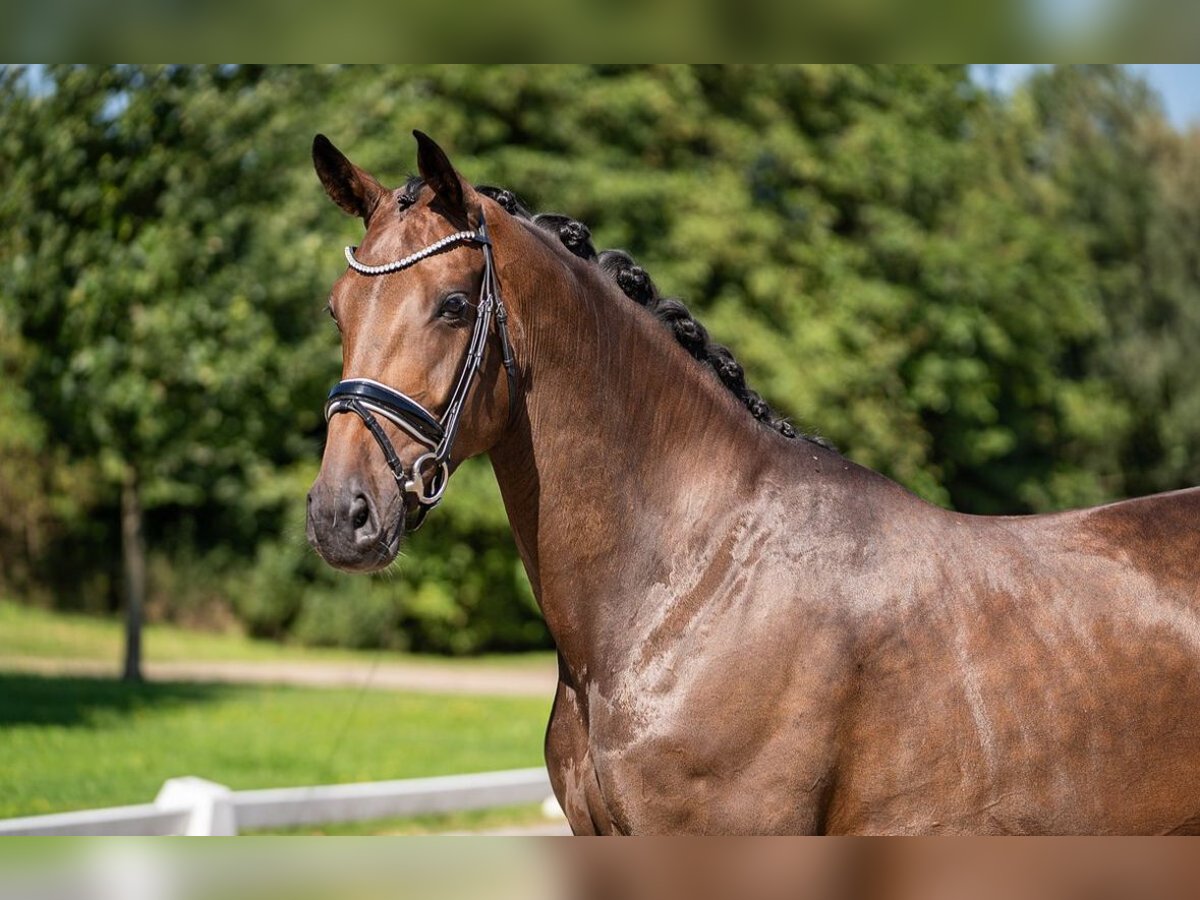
(426, 481)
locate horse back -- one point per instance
(1035, 675)
(1158, 536)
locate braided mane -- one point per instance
(635, 283)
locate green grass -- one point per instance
(30, 632)
(78, 743)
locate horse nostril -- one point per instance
(360, 512)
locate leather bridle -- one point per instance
(426, 481)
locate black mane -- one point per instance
(635, 283)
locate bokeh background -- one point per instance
(984, 283)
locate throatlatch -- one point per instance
(426, 480)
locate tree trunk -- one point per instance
(133, 549)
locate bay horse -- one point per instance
(754, 634)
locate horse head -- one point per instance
(425, 349)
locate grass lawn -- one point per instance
(36, 633)
(78, 743)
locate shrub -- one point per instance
(363, 619)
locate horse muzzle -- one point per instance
(353, 530)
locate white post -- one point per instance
(209, 804)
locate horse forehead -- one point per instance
(396, 232)
(399, 235)
(368, 302)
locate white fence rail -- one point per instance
(195, 806)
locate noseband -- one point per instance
(426, 481)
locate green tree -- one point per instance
(164, 314)
(1132, 189)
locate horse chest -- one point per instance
(689, 759)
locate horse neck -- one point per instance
(626, 452)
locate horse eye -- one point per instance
(453, 306)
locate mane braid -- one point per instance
(635, 283)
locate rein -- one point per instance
(426, 480)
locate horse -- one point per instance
(754, 634)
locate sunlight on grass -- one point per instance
(75, 743)
(28, 632)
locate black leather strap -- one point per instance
(389, 452)
(506, 352)
(401, 409)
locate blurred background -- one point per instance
(981, 281)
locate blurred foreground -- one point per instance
(540, 29)
(663, 869)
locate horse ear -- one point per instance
(353, 189)
(437, 172)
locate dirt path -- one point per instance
(426, 677)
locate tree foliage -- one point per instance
(992, 299)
